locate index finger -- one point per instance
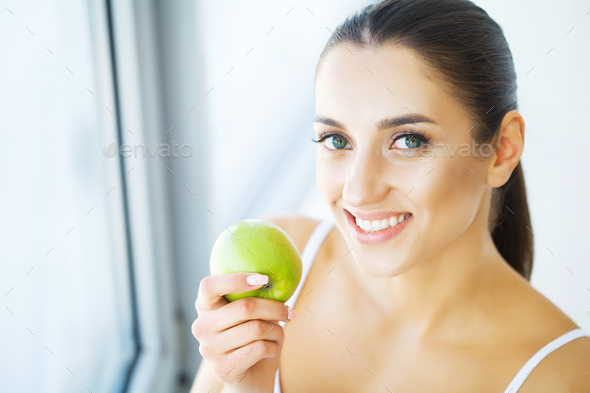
(212, 288)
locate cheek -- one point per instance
(449, 196)
(330, 177)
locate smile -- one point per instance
(377, 231)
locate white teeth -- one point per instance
(392, 221)
(378, 225)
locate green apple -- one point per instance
(258, 246)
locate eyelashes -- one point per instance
(326, 135)
(424, 139)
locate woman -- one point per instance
(422, 283)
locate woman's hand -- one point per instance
(241, 340)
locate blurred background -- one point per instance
(133, 132)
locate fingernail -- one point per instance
(291, 315)
(257, 279)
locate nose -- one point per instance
(366, 183)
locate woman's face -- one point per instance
(371, 165)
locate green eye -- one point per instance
(412, 142)
(337, 141)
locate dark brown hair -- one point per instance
(468, 55)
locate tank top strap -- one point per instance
(309, 253)
(277, 387)
(524, 372)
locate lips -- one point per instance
(371, 237)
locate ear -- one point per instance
(508, 149)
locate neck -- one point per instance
(443, 291)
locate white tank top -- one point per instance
(307, 257)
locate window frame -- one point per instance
(125, 71)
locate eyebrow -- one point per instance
(383, 124)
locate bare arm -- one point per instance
(205, 380)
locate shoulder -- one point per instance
(525, 322)
(298, 227)
(566, 369)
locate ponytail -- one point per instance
(510, 224)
